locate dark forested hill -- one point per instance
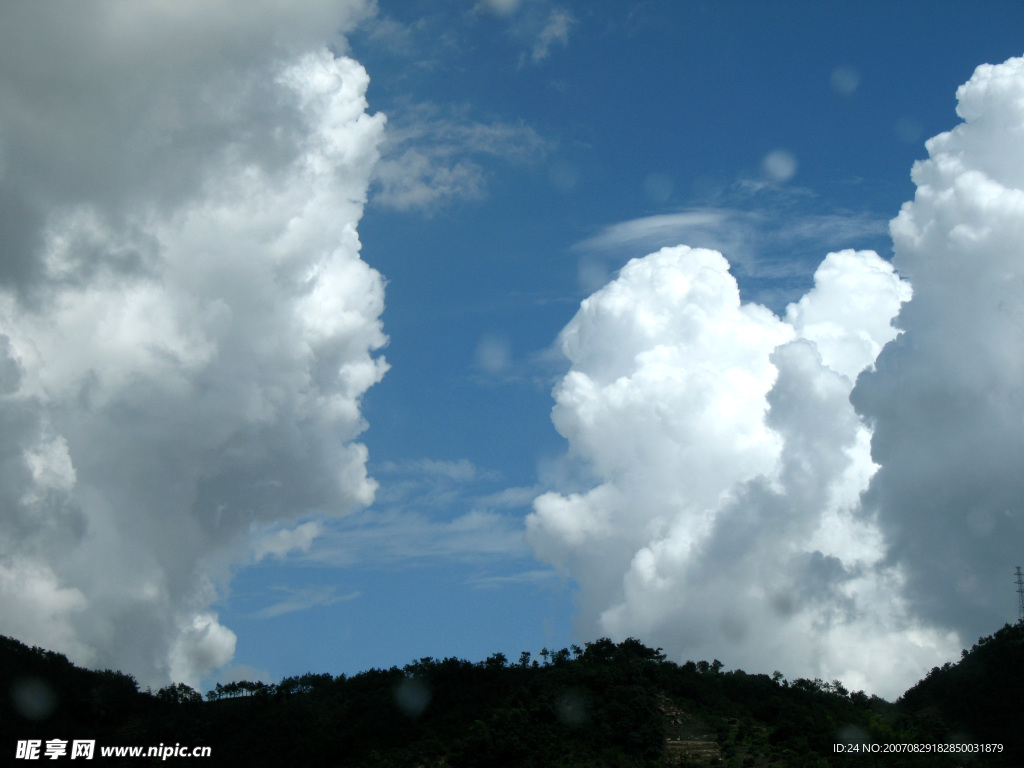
(603, 705)
(978, 698)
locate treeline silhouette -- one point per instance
(604, 704)
(978, 698)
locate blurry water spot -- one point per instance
(707, 187)
(592, 274)
(493, 354)
(971, 587)
(498, 7)
(779, 165)
(981, 521)
(572, 708)
(851, 734)
(908, 130)
(564, 176)
(33, 699)
(412, 697)
(733, 628)
(845, 80)
(783, 604)
(658, 187)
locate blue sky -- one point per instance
(646, 109)
(531, 149)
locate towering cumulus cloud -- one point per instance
(729, 448)
(186, 326)
(947, 398)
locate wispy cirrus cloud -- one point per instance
(426, 511)
(533, 24)
(400, 538)
(303, 599)
(732, 230)
(458, 470)
(555, 31)
(432, 156)
(539, 577)
(760, 243)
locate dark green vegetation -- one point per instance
(981, 698)
(603, 705)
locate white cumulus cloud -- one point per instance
(186, 326)
(947, 398)
(835, 492)
(728, 462)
